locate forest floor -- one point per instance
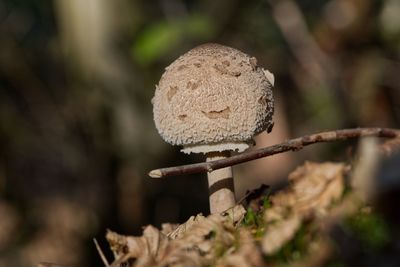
(329, 214)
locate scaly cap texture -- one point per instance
(213, 98)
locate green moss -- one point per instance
(266, 202)
(370, 228)
(249, 218)
(254, 221)
(253, 218)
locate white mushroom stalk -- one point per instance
(221, 185)
(213, 100)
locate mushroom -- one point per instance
(214, 99)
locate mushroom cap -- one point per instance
(213, 98)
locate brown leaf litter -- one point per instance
(313, 188)
(220, 240)
(194, 243)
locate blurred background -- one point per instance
(77, 136)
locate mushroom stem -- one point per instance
(220, 184)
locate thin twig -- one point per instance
(102, 256)
(290, 145)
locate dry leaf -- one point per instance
(248, 253)
(279, 234)
(193, 243)
(168, 227)
(313, 188)
(317, 185)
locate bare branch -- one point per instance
(290, 145)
